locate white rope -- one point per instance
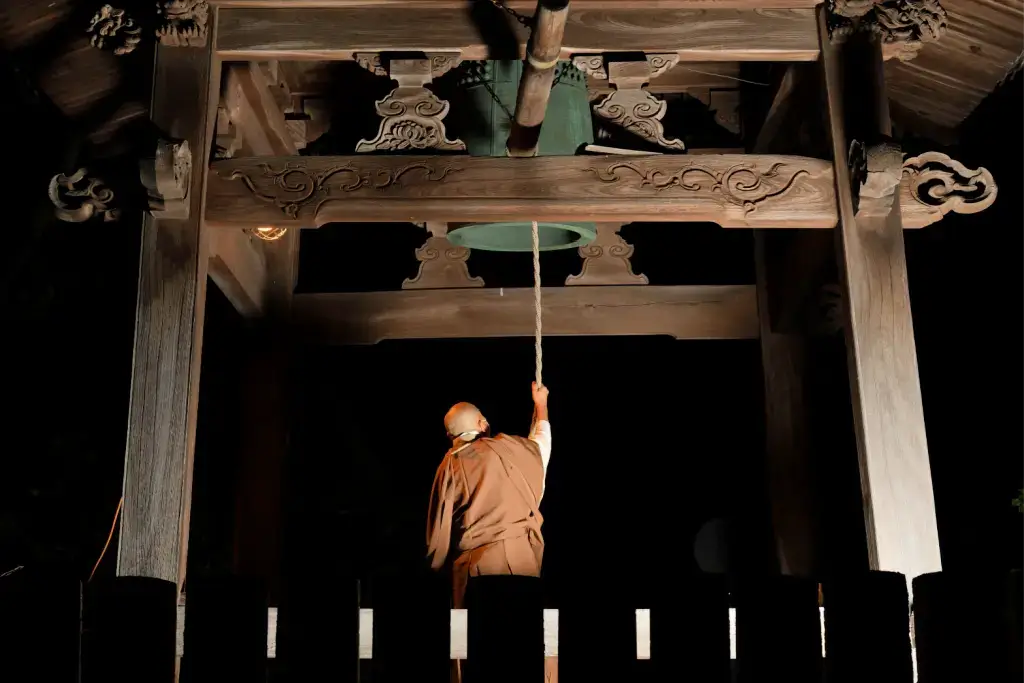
(538, 352)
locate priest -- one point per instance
(484, 517)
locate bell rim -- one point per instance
(585, 234)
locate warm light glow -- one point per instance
(269, 232)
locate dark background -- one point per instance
(653, 436)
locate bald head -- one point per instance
(463, 418)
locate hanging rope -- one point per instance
(538, 351)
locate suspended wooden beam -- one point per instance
(896, 481)
(701, 34)
(725, 312)
(732, 190)
(538, 73)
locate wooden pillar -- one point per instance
(896, 483)
(539, 72)
(787, 266)
(788, 465)
(261, 124)
(168, 335)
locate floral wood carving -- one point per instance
(113, 27)
(167, 178)
(412, 115)
(904, 26)
(371, 62)
(185, 22)
(660, 63)
(634, 108)
(592, 65)
(442, 264)
(742, 184)
(639, 112)
(944, 184)
(295, 187)
(606, 260)
(79, 197)
(440, 63)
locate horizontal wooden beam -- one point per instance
(692, 76)
(700, 312)
(701, 34)
(525, 6)
(732, 190)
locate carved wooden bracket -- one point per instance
(606, 260)
(113, 28)
(182, 23)
(79, 197)
(412, 115)
(904, 26)
(167, 177)
(943, 184)
(185, 23)
(875, 171)
(442, 264)
(630, 105)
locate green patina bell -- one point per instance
(491, 88)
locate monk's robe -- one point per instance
(485, 504)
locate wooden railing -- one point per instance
(704, 629)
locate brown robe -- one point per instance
(485, 501)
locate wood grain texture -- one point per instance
(535, 84)
(682, 78)
(698, 312)
(168, 339)
(951, 76)
(896, 483)
(731, 190)
(707, 35)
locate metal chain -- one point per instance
(525, 21)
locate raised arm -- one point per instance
(540, 432)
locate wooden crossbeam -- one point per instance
(732, 190)
(683, 312)
(708, 34)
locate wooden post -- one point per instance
(168, 335)
(899, 508)
(538, 73)
(787, 448)
(784, 353)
